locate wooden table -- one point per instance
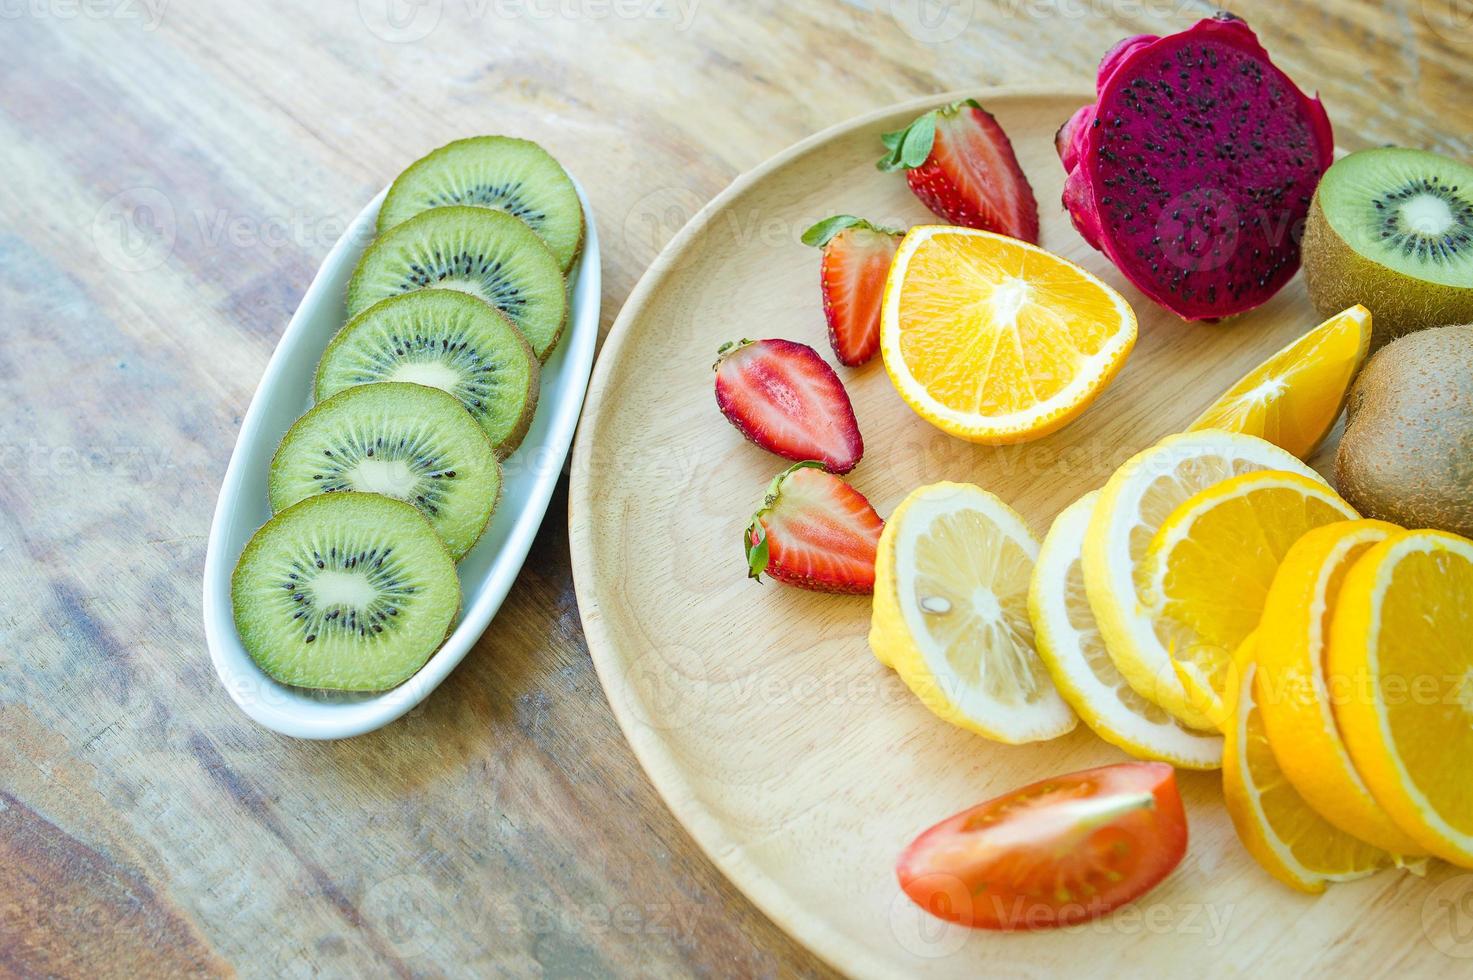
(174, 174)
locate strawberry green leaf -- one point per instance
(819, 234)
(823, 232)
(909, 147)
(756, 553)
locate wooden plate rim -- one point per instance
(648, 745)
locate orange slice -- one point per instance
(995, 340)
(1401, 650)
(1297, 704)
(1285, 835)
(1210, 565)
(1293, 398)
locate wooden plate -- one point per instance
(801, 765)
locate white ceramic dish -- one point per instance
(486, 573)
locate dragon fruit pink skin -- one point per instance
(1194, 169)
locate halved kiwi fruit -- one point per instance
(446, 340)
(347, 591)
(488, 254)
(512, 175)
(401, 440)
(1392, 229)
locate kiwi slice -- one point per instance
(488, 254)
(501, 172)
(397, 439)
(446, 340)
(1392, 228)
(347, 591)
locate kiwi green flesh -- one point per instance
(345, 591)
(402, 440)
(512, 175)
(1339, 277)
(446, 340)
(484, 253)
(1409, 210)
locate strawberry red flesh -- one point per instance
(856, 260)
(815, 532)
(782, 396)
(969, 174)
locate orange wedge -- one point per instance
(995, 340)
(1293, 398)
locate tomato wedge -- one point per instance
(1056, 852)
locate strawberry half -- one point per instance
(814, 531)
(959, 162)
(781, 395)
(856, 259)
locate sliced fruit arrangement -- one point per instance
(1057, 852)
(1283, 833)
(486, 253)
(501, 172)
(1294, 398)
(856, 259)
(783, 397)
(1294, 695)
(951, 614)
(1209, 566)
(402, 440)
(446, 340)
(346, 592)
(1393, 228)
(433, 380)
(961, 165)
(1405, 455)
(1073, 649)
(994, 340)
(814, 531)
(1401, 647)
(1134, 504)
(1195, 160)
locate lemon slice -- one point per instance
(1072, 648)
(951, 614)
(995, 340)
(1211, 563)
(1401, 647)
(1283, 833)
(1297, 709)
(1132, 507)
(1293, 398)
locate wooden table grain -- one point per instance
(174, 174)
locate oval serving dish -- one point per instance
(486, 572)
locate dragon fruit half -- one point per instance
(1194, 170)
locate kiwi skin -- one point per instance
(1339, 277)
(1407, 452)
